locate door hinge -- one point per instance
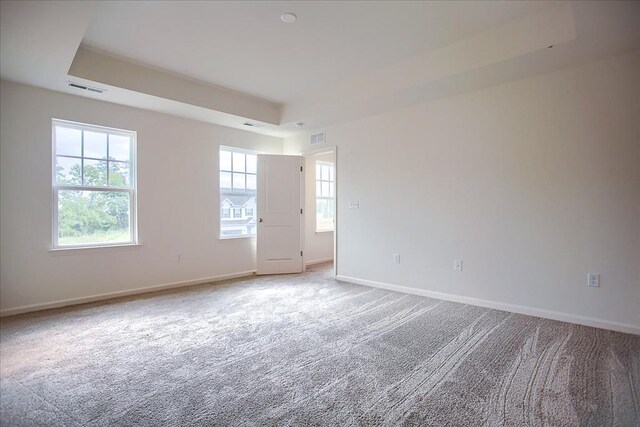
(300, 168)
(300, 253)
(300, 211)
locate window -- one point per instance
(226, 213)
(325, 198)
(238, 170)
(94, 187)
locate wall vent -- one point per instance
(83, 87)
(317, 138)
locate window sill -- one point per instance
(323, 231)
(73, 250)
(235, 237)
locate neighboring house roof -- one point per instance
(239, 199)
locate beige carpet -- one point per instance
(306, 350)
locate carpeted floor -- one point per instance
(306, 350)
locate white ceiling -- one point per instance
(227, 62)
(245, 46)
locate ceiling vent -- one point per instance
(83, 87)
(317, 138)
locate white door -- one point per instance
(279, 214)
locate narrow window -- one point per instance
(325, 197)
(238, 169)
(94, 185)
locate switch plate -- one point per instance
(457, 265)
(593, 280)
(354, 205)
(396, 258)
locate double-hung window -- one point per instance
(94, 185)
(238, 175)
(325, 196)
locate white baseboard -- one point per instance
(318, 261)
(513, 308)
(111, 295)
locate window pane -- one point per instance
(331, 186)
(318, 189)
(225, 160)
(252, 163)
(86, 217)
(238, 184)
(318, 171)
(225, 179)
(238, 162)
(68, 171)
(120, 147)
(324, 215)
(238, 180)
(325, 172)
(331, 174)
(95, 172)
(68, 141)
(95, 145)
(119, 174)
(325, 188)
(251, 182)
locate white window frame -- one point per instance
(131, 190)
(231, 209)
(319, 197)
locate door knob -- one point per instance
(260, 220)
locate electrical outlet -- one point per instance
(396, 258)
(354, 205)
(457, 265)
(593, 280)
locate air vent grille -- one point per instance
(317, 138)
(83, 87)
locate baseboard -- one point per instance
(513, 308)
(318, 261)
(111, 295)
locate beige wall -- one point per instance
(534, 184)
(178, 205)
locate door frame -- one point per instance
(305, 154)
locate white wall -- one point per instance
(317, 246)
(533, 184)
(178, 202)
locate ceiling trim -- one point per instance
(516, 39)
(109, 70)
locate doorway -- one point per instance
(320, 205)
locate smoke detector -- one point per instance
(288, 18)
